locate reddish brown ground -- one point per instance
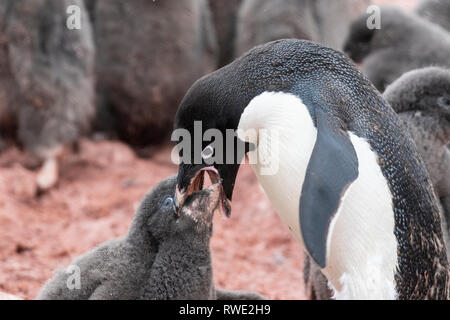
(99, 190)
(95, 200)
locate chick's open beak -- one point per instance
(196, 184)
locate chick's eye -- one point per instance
(167, 203)
(444, 101)
(207, 152)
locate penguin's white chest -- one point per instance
(361, 246)
(285, 137)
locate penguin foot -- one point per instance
(47, 176)
(238, 295)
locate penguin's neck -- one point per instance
(139, 236)
(362, 248)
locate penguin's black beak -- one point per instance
(191, 179)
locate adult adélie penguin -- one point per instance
(349, 183)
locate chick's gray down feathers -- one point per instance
(148, 54)
(324, 21)
(224, 15)
(422, 100)
(161, 257)
(403, 43)
(435, 11)
(46, 74)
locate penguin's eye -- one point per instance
(444, 101)
(207, 152)
(168, 203)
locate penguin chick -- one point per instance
(426, 89)
(115, 269)
(148, 54)
(422, 100)
(324, 21)
(224, 15)
(435, 11)
(403, 43)
(260, 21)
(163, 256)
(46, 78)
(333, 18)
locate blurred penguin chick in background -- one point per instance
(323, 21)
(148, 54)
(435, 11)
(46, 79)
(403, 43)
(422, 100)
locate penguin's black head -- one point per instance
(205, 129)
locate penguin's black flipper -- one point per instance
(333, 166)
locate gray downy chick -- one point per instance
(422, 100)
(403, 43)
(165, 255)
(224, 15)
(261, 21)
(435, 11)
(148, 54)
(324, 21)
(46, 78)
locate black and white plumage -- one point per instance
(422, 100)
(403, 43)
(350, 184)
(163, 256)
